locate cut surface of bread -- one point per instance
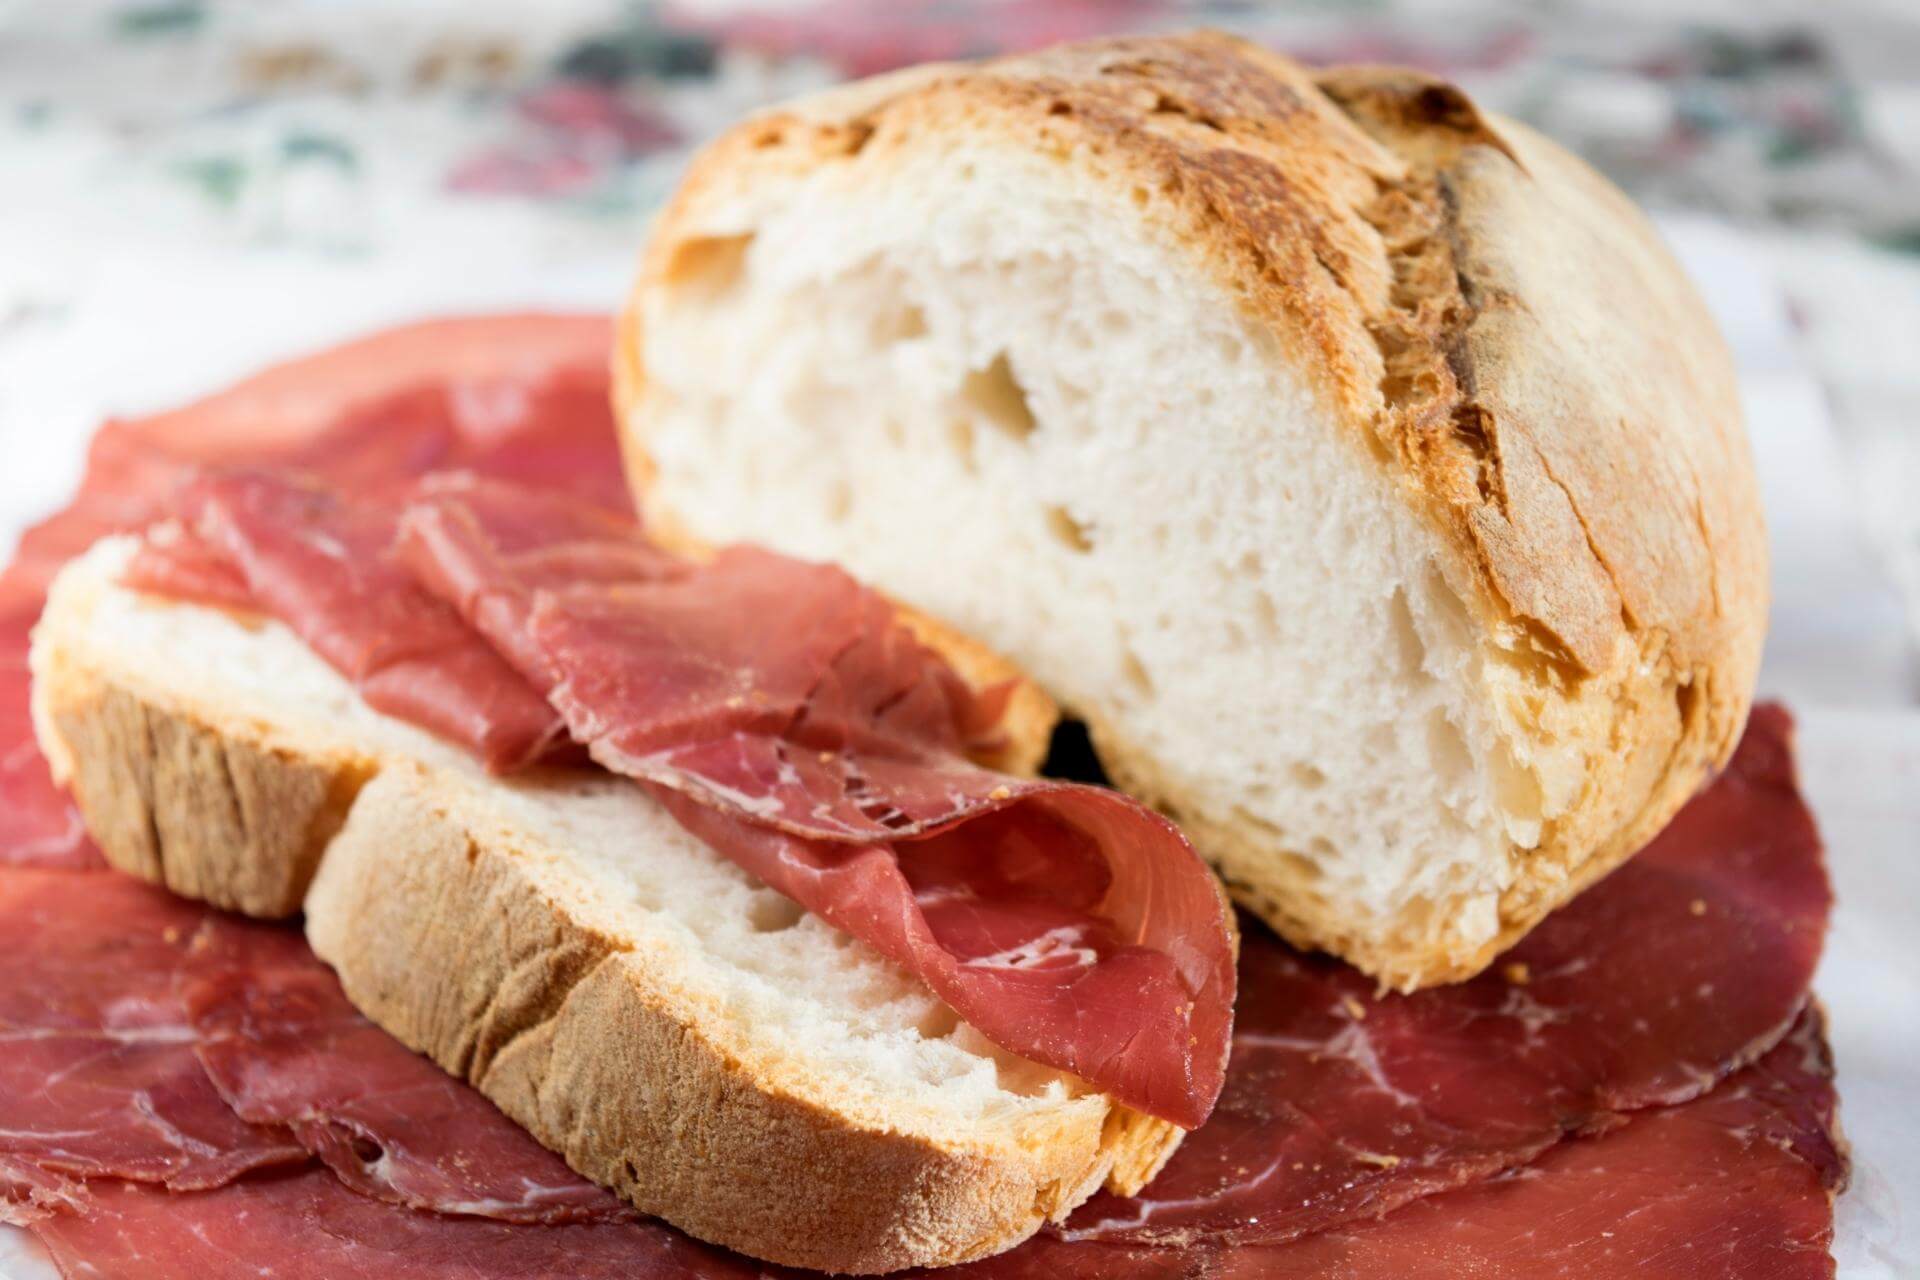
(676, 1030)
(1358, 466)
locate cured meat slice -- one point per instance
(1678, 968)
(307, 1226)
(38, 824)
(320, 563)
(98, 1076)
(784, 715)
(781, 690)
(284, 1047)
(1733, 1186)
(151, 1039)
(455, 392)
(1738, 1184)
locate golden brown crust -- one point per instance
(1499, 328)
(184, 806)
(575, 1036)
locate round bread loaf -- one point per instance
(1356, 464)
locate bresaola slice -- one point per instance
(1683, 965)
(39, 826)
(145, 1038)
(1736, 1184)
(307, 1226)
(319, 562)
(284, 1047)
(783, 714)
(98, 1076)
(1732, 1186)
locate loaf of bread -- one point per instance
(678, 1031)
(1357, 464)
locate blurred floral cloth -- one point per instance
(341, 130)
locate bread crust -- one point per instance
(1495, 325)
(577, 1037)
(437, 919)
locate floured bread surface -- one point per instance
(675, 1029)
(1314, 442)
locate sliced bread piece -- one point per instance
(676, 1030)
(1358, 465)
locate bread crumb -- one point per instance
(1355, 1010)
(1698, 906)
(1517, 973)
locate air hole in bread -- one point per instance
(1070, 533)
(774, 912)
(1266, 614)
(1517, 789)
(900, 324)
(1306, 775)
(937, 1023)
(1408, 648)
(960, 437)
(838, 500)
(710, 266)
(1136, 673)
(1447, 747)
(999, 398)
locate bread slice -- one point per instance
(1357, 464)
(676, 1030)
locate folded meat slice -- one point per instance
(784, 714)
(319, 563)
(1680, 967)
(98, 1075)
(284, 1047)
(151, 1039)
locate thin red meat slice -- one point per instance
(307, 1226)
(1678, 968)
(98, 1075)
(782, 713)
(284, 1047)
(1737, 1185)
(151, 1039)
(320, 563)
(490, 375)
(787, 719)
(1733, 1186)
(39, 827)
